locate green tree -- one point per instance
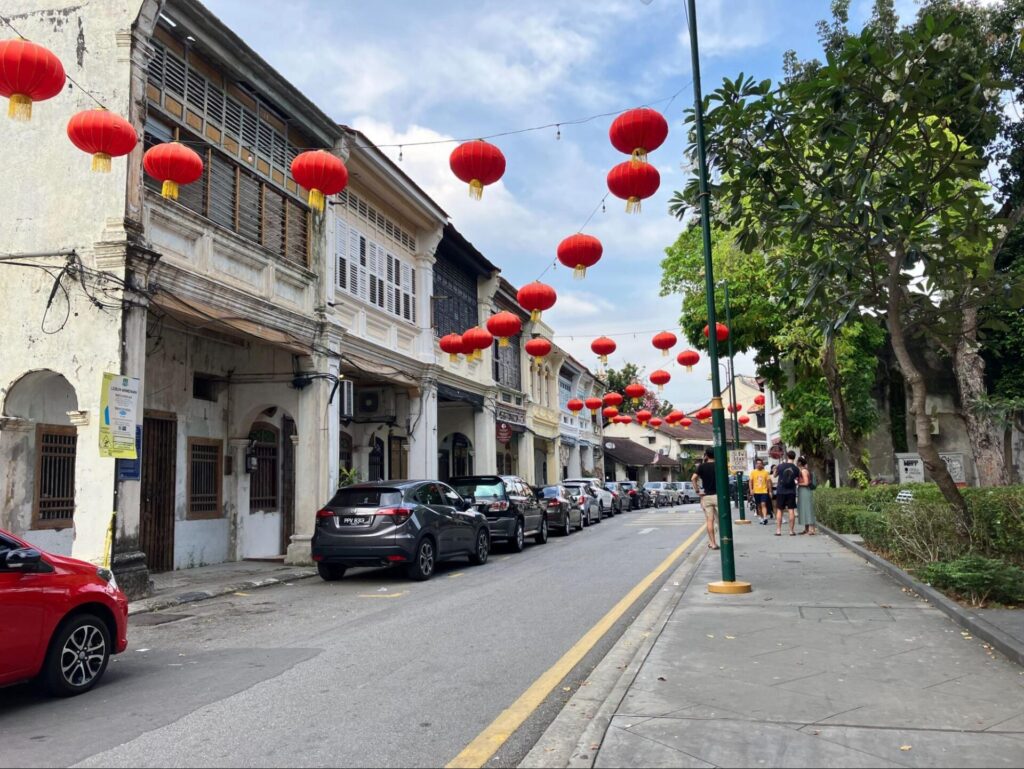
(616, 380)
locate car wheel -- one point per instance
(600, 510)
(422, 566)
(330, 572)
(483, 548)
(541, 537)
(518, 541)
(78, 655)
(568, 524)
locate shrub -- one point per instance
(924, 531)
(998, 521)
(874, 529)
(841, 518)
(978, 579)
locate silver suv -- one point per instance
(662, 493)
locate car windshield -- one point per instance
(369, 496)
(550, 492)
(483, 488)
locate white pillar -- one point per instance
(423, 433)
(575, 462)
(312, 455)
(554, 461)
(485, 443)
(525, 457)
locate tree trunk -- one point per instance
(834, 385)
(985, 434)
(919, 397)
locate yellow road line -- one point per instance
(460, 574)
(383, 595)
(487, 743)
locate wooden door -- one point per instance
(156, 510)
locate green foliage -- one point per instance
(616, 380)
(874, 530)
(347, 477)
(978, 579)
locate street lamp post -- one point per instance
(728, 583)
(735, 414)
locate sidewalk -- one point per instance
(173, 588)
(826, 663)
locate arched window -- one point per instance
(462, 462)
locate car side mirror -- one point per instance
(467, 504)
(24, 559)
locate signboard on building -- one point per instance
(738, 460)
(513, 417)
(119, 405)
(504, 432)
(955, 465)
(910, 468)
(131, 469)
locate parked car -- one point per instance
(585, 497)
(512, 509)
(637, 498)
(61, 618)
(686, 491)
(664, 495)
(605, 500)
(563, 512)
(620, 497)
(415, 524)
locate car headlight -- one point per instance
(107, 576)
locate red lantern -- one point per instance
(758, 400)
(593, 404)
(633, 182)
(656, 422)
(173, 164)
(660, 378)
(674, 416)
(28, 73)
(610, 413)
(613, 399)
(703, 415)
(625, 419)
(535, 298)
(744, 420)
(637, 132)
(103, 135)
(688, 358)
(478, 340)
(320, 172)
(686, 422)
(643, 416)
(451, 344)
(575, 405)
(504, 325)
(538, 348)
(734, 408)
(580, 251)
(602, 348)
(477, 163)
(664, 341)
(636, 391)
(721, 332)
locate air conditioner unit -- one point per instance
(374, 404)
(346, 399)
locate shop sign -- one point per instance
(511, 416)
(504, 432)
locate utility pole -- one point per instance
(728, 583)
(735, 414)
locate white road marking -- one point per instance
(647, 531)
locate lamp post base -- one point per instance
(742, 521)
(729, 588)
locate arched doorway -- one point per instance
(375, 466)
(41, 454)
(455, 457)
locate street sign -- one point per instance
(738, 459)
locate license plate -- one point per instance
(355, 520)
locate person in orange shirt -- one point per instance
(760, 490)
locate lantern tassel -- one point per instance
(538, 360)
(19, 107)
(603, 359)
(502, 341)
(169, 189)
(453, 357)
(101, 163)
(689, 368)
(639, 155)
(534, 315)
(636, 401)
(476, 189)
(633, 205)
(664, 353)
(579, 272)
(316, 200)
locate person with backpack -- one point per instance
(805, 498)
(785, 496)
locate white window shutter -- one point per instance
(340, 252)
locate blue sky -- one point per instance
(407, 70)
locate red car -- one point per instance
(61, 618)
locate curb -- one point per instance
(999, 639)
(569, 739)
(147, 605)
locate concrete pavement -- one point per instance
(826, 663)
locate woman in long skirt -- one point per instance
(805, 499)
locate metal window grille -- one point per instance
(56, 448)
(456, 307)
(263, 484)
(204, 478)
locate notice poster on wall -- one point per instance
(119, 406)
(910, 467)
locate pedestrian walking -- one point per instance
(785, 499)
(706, 483)
(805, 499)
(760, 490)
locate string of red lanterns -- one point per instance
(478, 163)
(579, 252)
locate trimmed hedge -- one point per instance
(978, 579)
